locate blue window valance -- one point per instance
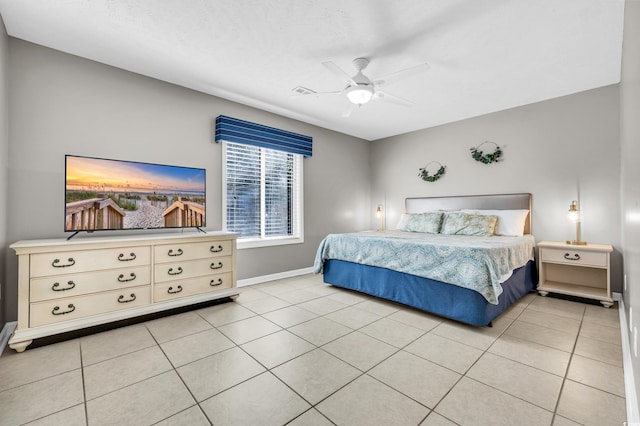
(233, 130)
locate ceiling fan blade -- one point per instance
(317, 94)
(339, 72)
(347, 112)
(399, 75)
(387, 97)
(300, 91)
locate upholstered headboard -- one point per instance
(482, 202)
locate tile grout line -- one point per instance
(84, 388)
(566, 373)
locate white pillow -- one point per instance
(404, 221)
(510, 222)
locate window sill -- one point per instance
(249, 243)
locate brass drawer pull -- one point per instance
(122, 279)
(56, 261)
(215, 284)
(177, 253)
(218, 266)
(70, 284)
(70, 306)
(178, 271)
(178, 289)
(216, 249)
(121, 298)
(121, 257)
(575, 256)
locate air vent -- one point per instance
(302, 91)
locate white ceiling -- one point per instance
(484, 55)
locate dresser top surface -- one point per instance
(55, 244)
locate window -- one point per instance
(263, 195)
(262, 181)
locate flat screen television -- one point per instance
(103, 194)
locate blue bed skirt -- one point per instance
(440, 298)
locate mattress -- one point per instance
(480, 264)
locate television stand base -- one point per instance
(72, 235)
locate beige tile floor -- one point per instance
(299, 352)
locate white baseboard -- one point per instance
(273, 277)
(5, 334)
(633, 414)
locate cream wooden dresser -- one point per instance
(68, 285)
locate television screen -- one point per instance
(104, 194)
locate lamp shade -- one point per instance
(574, 216)
(360, 94)
(574, 212)
(380, 215)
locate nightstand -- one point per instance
(581, 271)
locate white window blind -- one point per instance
(263, 192)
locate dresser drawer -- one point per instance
(45, 264)
(573, 256)
(56, 287)
(192, 268)
(52, 311)
(188, 287)
(190, 251)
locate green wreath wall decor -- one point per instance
(424, 173)
(480, 156)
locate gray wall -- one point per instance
(61, 104)
(559, 150)
(4, 164)
(630, 176)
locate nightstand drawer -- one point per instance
(574, 256)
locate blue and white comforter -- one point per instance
(476, 263)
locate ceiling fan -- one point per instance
(360, 89)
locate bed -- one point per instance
(469, 278)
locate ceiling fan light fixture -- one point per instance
(360, 94)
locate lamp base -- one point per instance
(577, 243)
